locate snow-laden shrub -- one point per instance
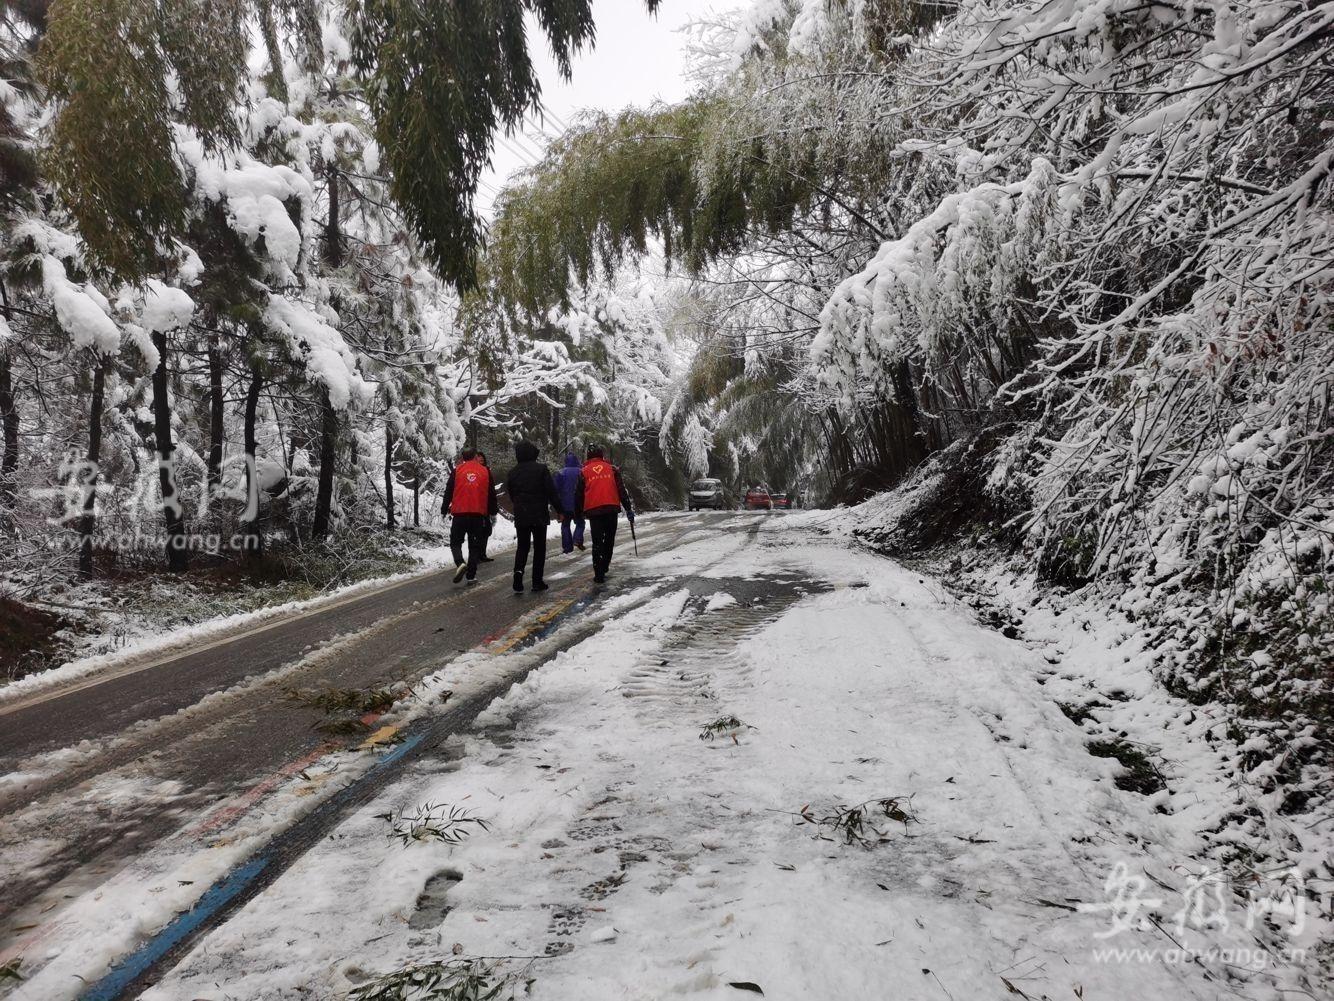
(1133, 253)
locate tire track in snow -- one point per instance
(535, 646)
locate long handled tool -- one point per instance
(633, 539)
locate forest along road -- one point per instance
(764, 761)
(94, 774)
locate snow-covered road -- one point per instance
(666, 807)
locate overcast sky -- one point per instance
(637, 59)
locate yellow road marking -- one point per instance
(544, 619)
(381, 736)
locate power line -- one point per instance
(519, 138)
(560, 122)
(524, 157)
(541, 129)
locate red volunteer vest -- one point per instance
(600, 485)
(472, 489)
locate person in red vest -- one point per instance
(599, 496)
(471, 502)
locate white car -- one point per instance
(707, 493)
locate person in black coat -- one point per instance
(490, 525)
(533, 493)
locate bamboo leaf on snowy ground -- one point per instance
(1086, 348)
(433, 822)
(348, 711)
(352, 701)
(853, 824)
(724, 726)
(453, 980)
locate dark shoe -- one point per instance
(472, 581)
(487, 559)
(459, 571)
(580, 546)
(599, 578)
(518, 582)
(541, 585)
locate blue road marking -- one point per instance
(395, 754)
(114, 985)
(555, 623)
(110, 987)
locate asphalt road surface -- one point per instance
(215, 721)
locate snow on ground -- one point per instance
(719, 600)
(137, 640)
(666, 809)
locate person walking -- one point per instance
(491, 518)
(470, 502)
(599, 496)
(533, 494)
(567, 483)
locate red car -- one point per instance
(782, 502)
(758, 499)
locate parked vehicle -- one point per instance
(758, 498)
(782, 502)
(708, 493)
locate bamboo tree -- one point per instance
(274, 79)
(441, 80)
(108, 64)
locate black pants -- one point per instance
(473, 528)
(603, 529)
(534, 536)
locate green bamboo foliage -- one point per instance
(206, 43)
(441, 79)
(108, 63)
(605, 190)
(18, 164)
(110, 153)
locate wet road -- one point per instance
(203, 726)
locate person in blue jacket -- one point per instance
(571, 528)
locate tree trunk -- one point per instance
(333, 230)
(333, 250)
(274, 80)
(173, 513)
(215, 415)
(9, 418)
(319, 528)
(88, 521)
(416, 500)
(252, 542)
(389, 477)
(920, 445)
